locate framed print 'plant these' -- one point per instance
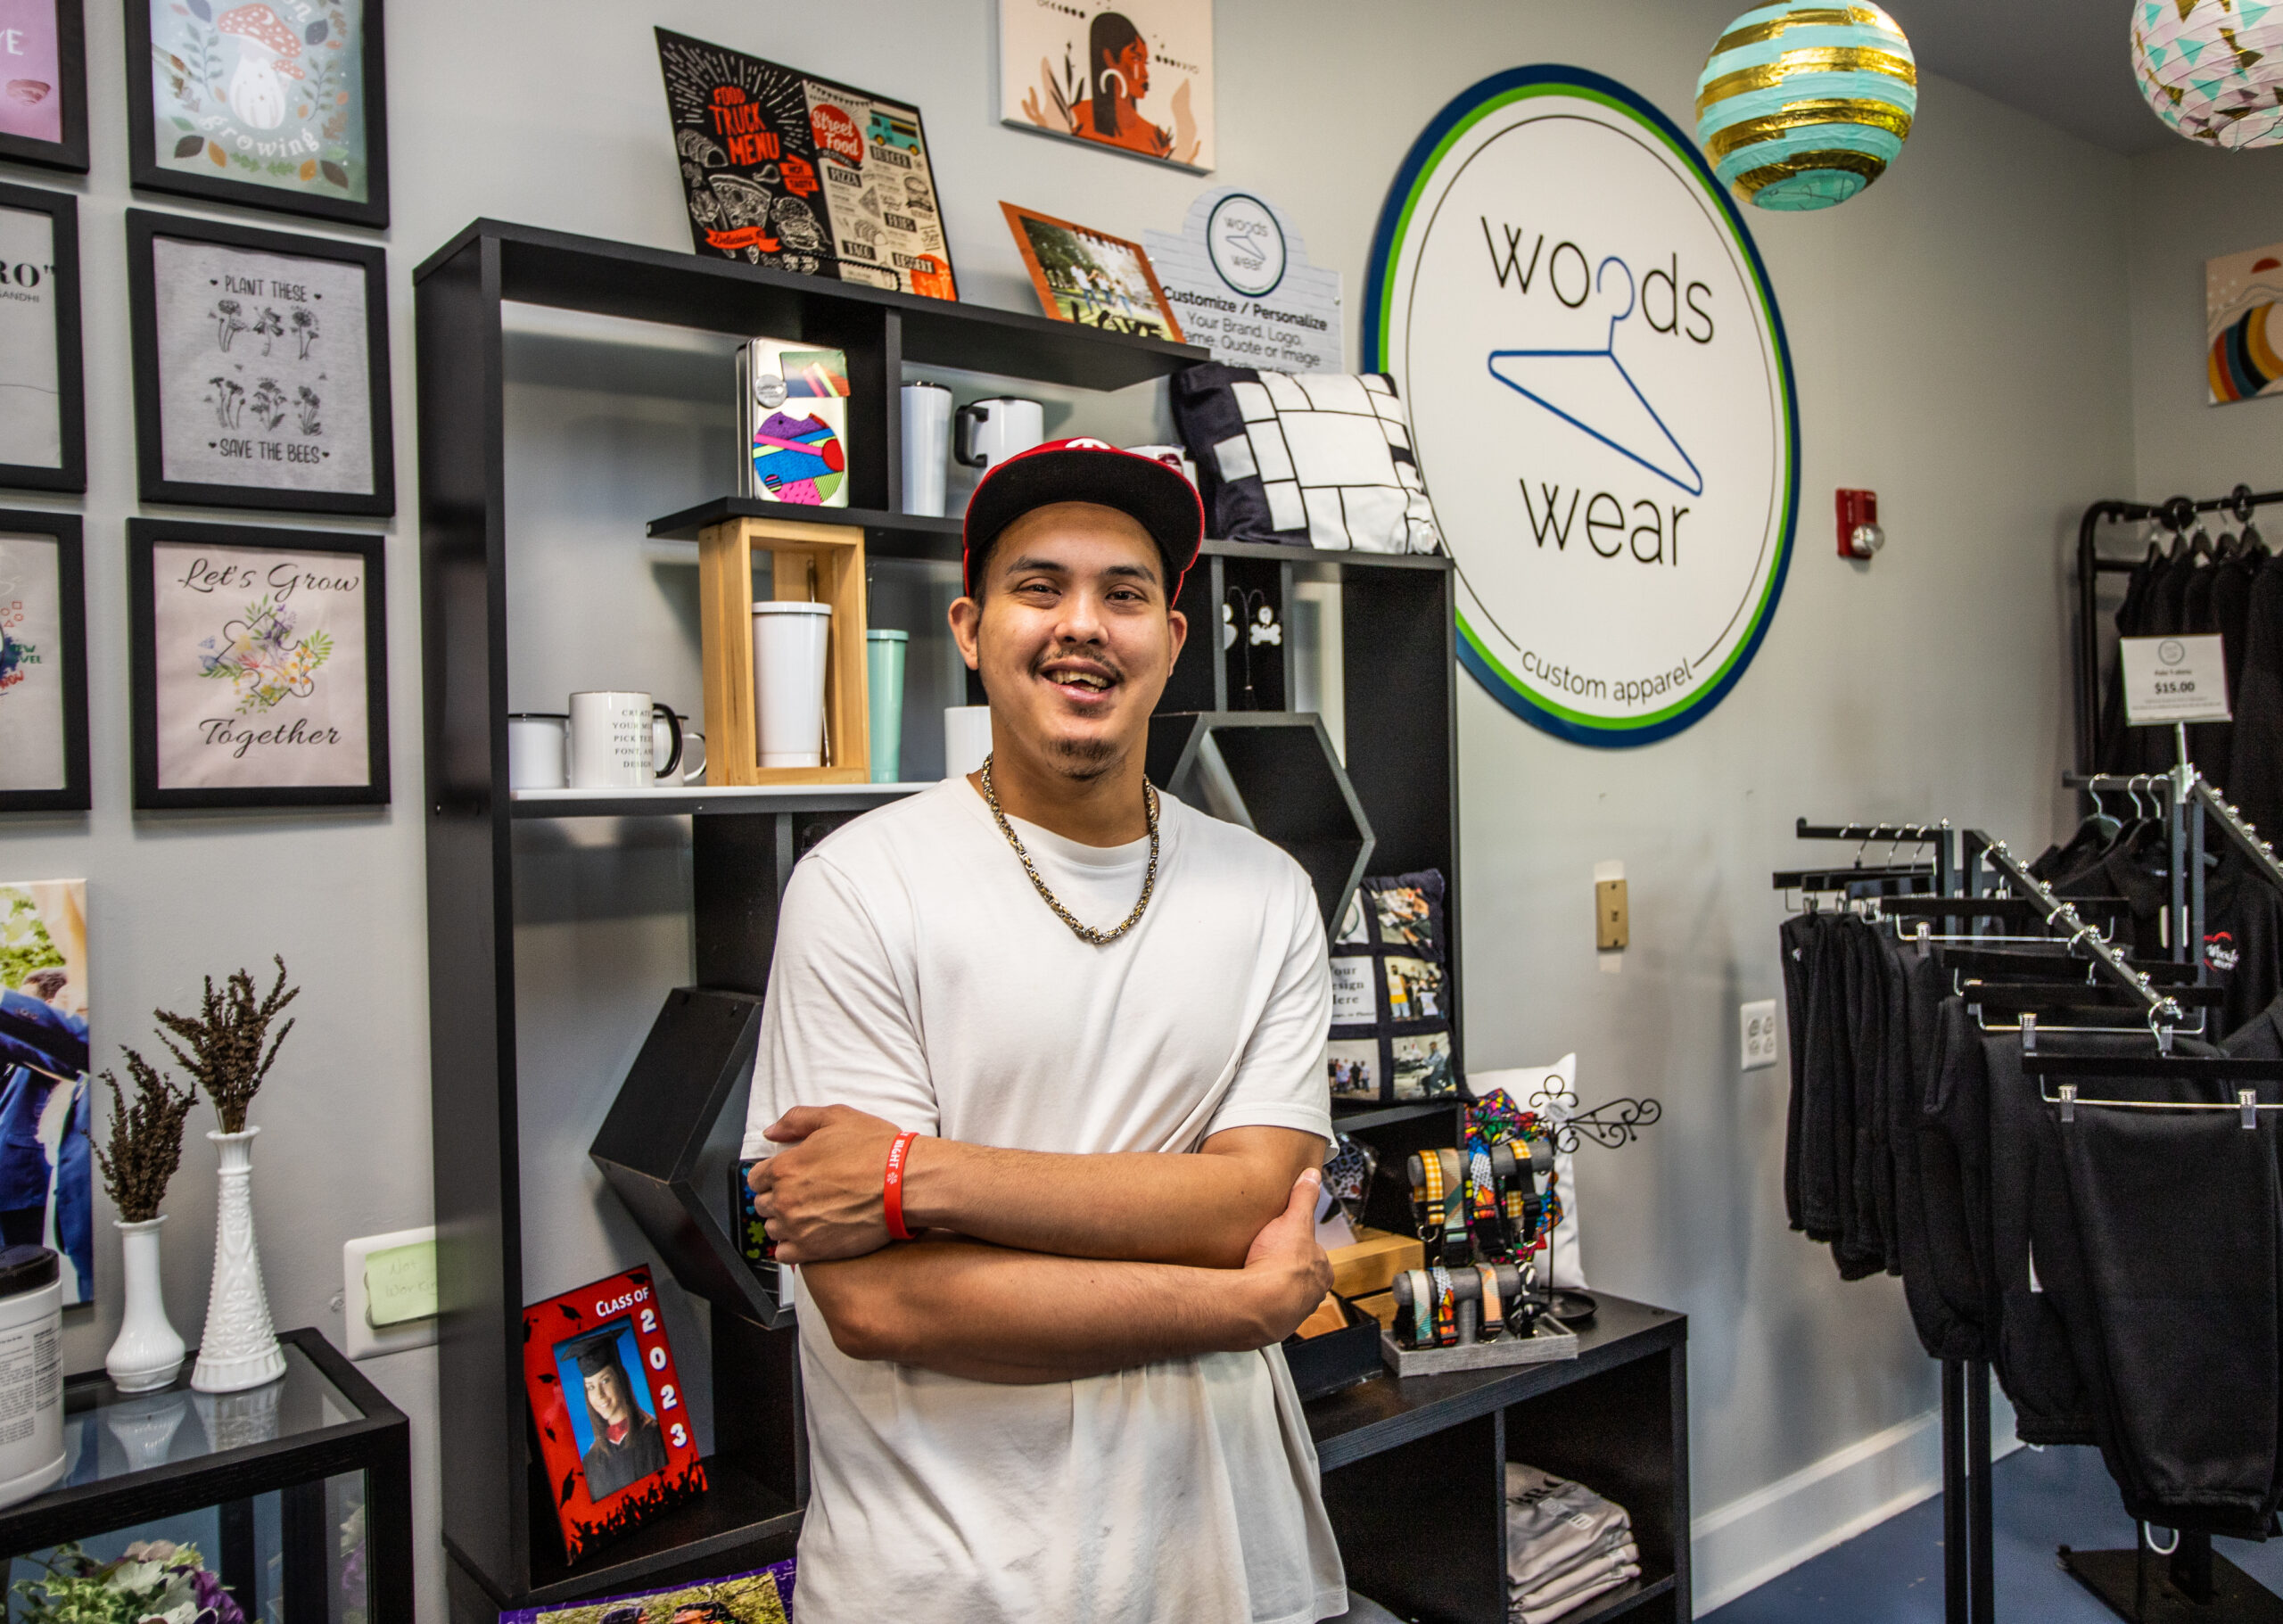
(43, 663)
(43, 433)
(261, 367)
(260, 661)
(280, 105)
(44, 84)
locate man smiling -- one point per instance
(1069, 1034)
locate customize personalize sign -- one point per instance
(1238, 275)
(259, 666)
(783, 169)
(2173, 679)
(1601, 397)
(614, 1431)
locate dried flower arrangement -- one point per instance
(221, 1046)
(146, 1140)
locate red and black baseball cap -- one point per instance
(1156, 495)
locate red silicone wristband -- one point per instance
(891, 1185)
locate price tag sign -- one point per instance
(2173, 679)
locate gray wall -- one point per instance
(1961, 338)
(2190, 204)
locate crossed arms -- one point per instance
(1040, 1267)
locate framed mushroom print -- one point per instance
(43, 436)
(43, 663)
(278, 105)
(259, 660)
(44, 84)
(261, 367)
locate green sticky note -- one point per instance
(400, 1284)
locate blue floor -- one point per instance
(1893, 1573)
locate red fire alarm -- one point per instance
(1859, 535)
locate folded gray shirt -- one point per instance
(1552, 1524)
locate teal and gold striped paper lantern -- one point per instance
(1801, 105)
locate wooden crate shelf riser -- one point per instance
(819, 563)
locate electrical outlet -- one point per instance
(1758, 1023)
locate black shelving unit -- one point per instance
(1401, 757)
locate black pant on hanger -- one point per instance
(1951, 1295)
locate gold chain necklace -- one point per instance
(1084, 933)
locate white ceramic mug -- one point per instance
(967, 739)
(610, 739)
(1173, 457)
(927, 444)
(539, 744)
(790, 640)
(663, 757)
(990, 432)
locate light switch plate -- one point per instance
(1757, 1021)
(359, 1339)
(1611, 915)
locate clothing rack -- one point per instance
(2176, 516)
(2164, 1010)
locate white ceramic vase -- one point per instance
(148, 1351)
(238, 1349)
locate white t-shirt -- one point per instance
(919, 977)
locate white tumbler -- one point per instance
(927, 447)
(789, 644)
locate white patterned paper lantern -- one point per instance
(2212, 69)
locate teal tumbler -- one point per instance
(884, 653)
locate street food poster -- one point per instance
(1091, 278)
(597, 1361)
(1237, 275)
(259, 666)
(261, 368)
(1133, 75)
(280, 105)
(43, 663)
(44, 84)
(785, 169)
(46, 1175)
(42, 430)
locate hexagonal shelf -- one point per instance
(700, 1049)
(1275, 773)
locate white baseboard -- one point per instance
(1742, 1545)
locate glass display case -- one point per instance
(296, 1497)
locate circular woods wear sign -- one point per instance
(1602, 399)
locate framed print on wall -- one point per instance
(43, 433)
(43, 663)
(259, 664)
(1090, 277)
(280, 106)
(261, 367)
(44, 84)
(1133, 75)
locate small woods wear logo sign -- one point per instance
(1601, 398)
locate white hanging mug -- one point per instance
(666, 753)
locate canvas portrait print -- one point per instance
(2243, 333)
(606, 1400)
(761, 1597)
(1091, 278)
(46, 1190)
(278, 104)
(1133, 75)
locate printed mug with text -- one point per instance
(611, 740)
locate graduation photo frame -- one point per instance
(261, 368)
(235, 104)
(43, 663)
(259, 666)
(43, 413)
(44, 50)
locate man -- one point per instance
(627, 1448)
(1105, 1015)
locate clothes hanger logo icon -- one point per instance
(1591, 391)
